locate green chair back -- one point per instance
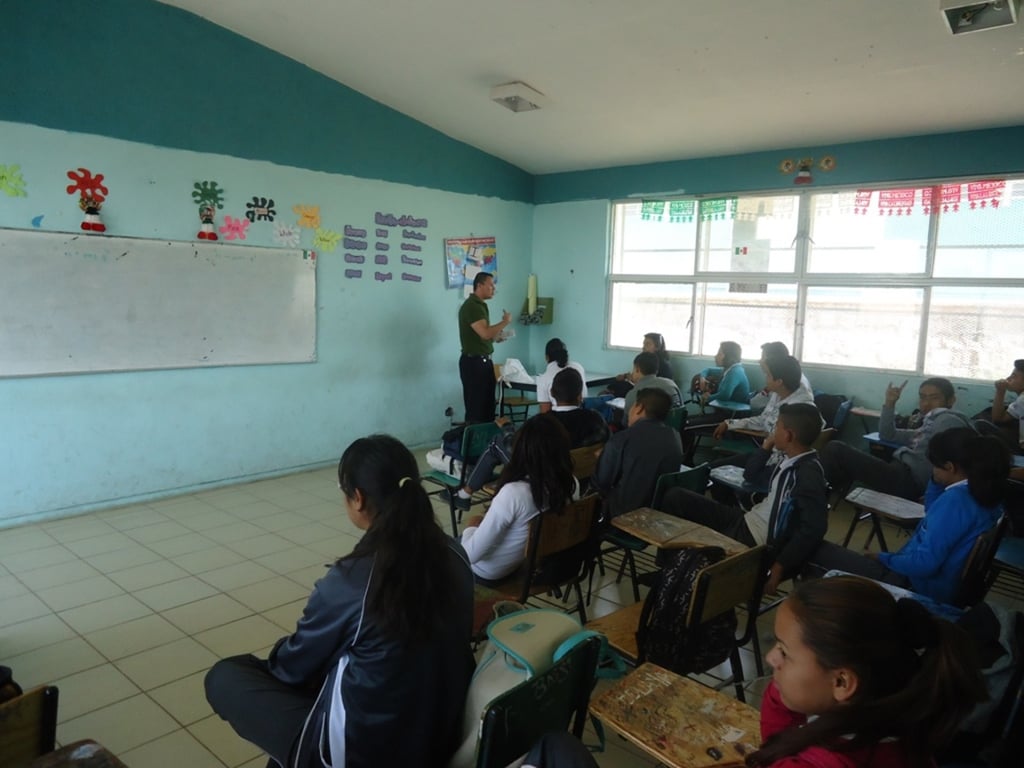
(695, 480)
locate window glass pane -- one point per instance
(867, 232)
(870, 327)
(730, 313)
(981, 230)
(654, 238)
(974, 333)
(639, 308)
(749, 234)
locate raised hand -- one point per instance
(892, 394)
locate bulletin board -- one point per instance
(78, 303)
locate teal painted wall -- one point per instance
(970, 153)
(147, 72)
(388, 352)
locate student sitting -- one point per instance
(732, 382)
(909, 471)
(858, 679)
(585, 427)
(379, 664)
(645, 376)
(655, 343)
(557, 357)
(778, 349)
(1007, 417)
(963, 501)
(536, 480)
(792, 517)
(633, 460)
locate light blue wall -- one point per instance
(387, 351)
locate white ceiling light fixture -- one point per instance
(962, 16)
(518, 97)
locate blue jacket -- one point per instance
(734, 386)
(935, 556)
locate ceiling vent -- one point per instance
(518, 97)
(962, 16)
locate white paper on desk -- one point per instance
(892, 505)
(728, 475)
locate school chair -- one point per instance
(733, 582)
(516, 405)
(553, 700)
(584, 462)
(558, 554)
(28, 726)
(475, 439)
(979, 571)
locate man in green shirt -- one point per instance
(477, 337)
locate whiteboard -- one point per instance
(76, 303)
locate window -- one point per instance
(926, 279)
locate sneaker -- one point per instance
(460, 503)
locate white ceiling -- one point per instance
(635, 81)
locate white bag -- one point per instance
(437, 460)
(514, 372)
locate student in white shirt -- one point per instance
(557, 356)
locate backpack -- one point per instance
(661, 638)
(451, 442)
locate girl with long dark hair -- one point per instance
(378, 666)
(537, 479)
(556, 354)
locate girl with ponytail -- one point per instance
(378, 666)
(963, 501)
(556, 354)
(861, 679)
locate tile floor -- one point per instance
(125, 610)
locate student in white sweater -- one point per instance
(537, 480)
(557, 356)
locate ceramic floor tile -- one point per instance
(166, 663)
(20, 540)
(21, 608)
(174, 750)
(210, 559)
(44, 665)
(122, 726)
(76, 593)
(43, 557)
(57, 575)
(238, 575)
(150, 533)
(308, 576)
(207, 613)
(246, 635)
(134, 636)
(212, 518)
(291, 559)
(234, 532)
(185, 699)
(127, 519)
(257, 510)
(269, 594)
(333, 547)
(282, 521)
(104, 613)
(181, 545)
(229, 499)
(97, 545)
(76, 528)
(175, 593)
(286, 616)
(148, 575)
(306, 534)
(218, 737)
(263, 544)
(92, 689)
(11, 586)
(119, 559)
(256, 762)
(30, 635)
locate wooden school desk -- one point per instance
(875, 505)
(679, 721)
(666, 531)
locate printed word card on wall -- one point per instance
(85, 303)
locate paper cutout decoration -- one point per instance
(11, 181)
(287, 235)
(713, 210)
(234, 228)
(91, 194)
(309, 216)
(947, 197)
(260, 209)
(681, 211)
(326, 239)
(206, 214)
(900, 201)
(652, 210)
(981, 194)
(208, 193)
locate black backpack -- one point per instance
(661, 638)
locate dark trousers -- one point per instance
(477, 374)
(845, 465)
(696, 427)
(262, 709)
(709, 513)
(499, 451)
(832, 557)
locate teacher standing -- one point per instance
(477, 337)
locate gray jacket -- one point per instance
(915, 441)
